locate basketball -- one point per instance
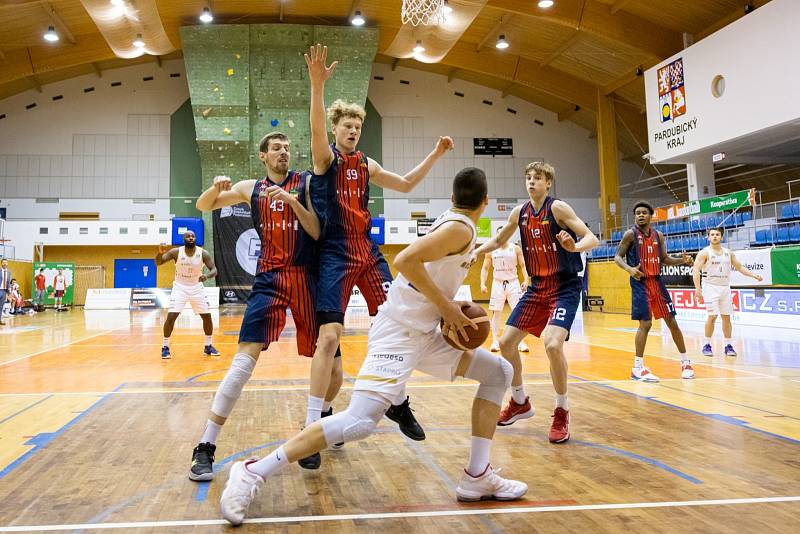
(476, 336)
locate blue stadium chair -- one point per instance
(786, 213)
(697, 243)
(738, 219)
(796, 210)
(747, 216)
(704, 222)
(762, 237)
(782, 234)
(729, 221)
(794, 233)
(669, 227)
(694, 224)
(684, 225)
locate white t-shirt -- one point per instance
(717, 269)
(504, 262)
(60, 282)
(189, 268)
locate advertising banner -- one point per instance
(50, 271)
(756, 307)
(759, 262)
(236, 251)
(731, 201)
(785, 265)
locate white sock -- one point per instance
(326, 406)
(562, 401)
(518, 394)
(479, 456)
(166, 342)
(208, 340)
(270, 464)
(497, 320)
(211, 432)
(684, 357)
(314, 411)
(728, 341)
(638, 362)
(708, 341)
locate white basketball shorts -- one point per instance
(718, 299)
(509, 290)
(194, 295)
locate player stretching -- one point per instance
(348, 256)
(641, 252)
(188, 286)
(552, 238)
(716, 262)
(505, 285)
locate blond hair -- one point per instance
(345, 110)
(540, 167)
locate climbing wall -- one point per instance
(248, 80)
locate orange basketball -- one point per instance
(476, 335)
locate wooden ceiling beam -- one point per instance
(623, 80)
(727, 19)
(624, 28)
(58, 22)
(618, 5)
(495, 31)
(567, 113)
(566, 45)
(34, 83)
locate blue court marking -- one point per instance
(43, 439)
(714, 416)
(24, 409)
(191, 379)
(203, 487)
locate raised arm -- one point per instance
(503, 235)
(699, 263)
(487, 264)
(622, 250)
(666, 259)
(566, 218)
(450, 238)
(212, 269)
(736, 264)
(222, 194)
(408, 181)
(318, 73)
(166, 254)
(305, 214)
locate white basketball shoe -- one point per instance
(240, 490)
(489, 485)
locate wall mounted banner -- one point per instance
(756, 260)
(50, 271)
(756, 307)
(236, 251)
(731, 201)
(785, 265)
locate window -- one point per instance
(63, 231)
(43, 231)
(123, 230)
(143, 231)
(162, 230)
(103, 230)
(83, 231)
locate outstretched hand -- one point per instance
(444, 144)
(315, 59)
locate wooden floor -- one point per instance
(96, 432)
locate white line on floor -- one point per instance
(56, 347)
(401, 515)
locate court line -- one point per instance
(754, 408)
(24, 409)
(350, 387)
(402, 515)
(55, 348)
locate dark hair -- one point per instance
(469, 188)
(717, 229)
(643, 204)
(41, 269)
(264, 144)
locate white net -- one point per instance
(422, 12)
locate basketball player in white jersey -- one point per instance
(405, 337)
(188, 286)
(715, 263)
(505, 285)
(59, 289)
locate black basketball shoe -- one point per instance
(202, 468)
(403, 416)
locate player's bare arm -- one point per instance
(622, 250)
(223, 193)
(699, 262)
(737, 265)
(566, 218)
(165, 254)
(318, 73)
(487, 264)
(502, 236)
(212, 268)
(450, 238)
(526, 280)
(666, 259)
(380, 176)
(307, 217)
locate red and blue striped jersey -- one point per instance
(284, 241)
(342, 195)
(544, 255)
(645, 251)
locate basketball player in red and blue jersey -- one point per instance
(348, 256)
(641, 253)
(552, 238)
(288, 227)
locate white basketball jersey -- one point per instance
(60, 282)
(504, 262)
(408, 306)
(188, 269)
(718, 267)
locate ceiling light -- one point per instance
(446, 9)
(138, 42)
(51, 35)
(419, 48)
(357, 19)
(502, 44)
(117, 3)
(546, 3)
(206, 17)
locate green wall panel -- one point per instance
(184, 163)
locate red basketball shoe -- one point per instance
(559, 430)
(513, 412)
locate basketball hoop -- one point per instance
(422, 12)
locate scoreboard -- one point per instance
(492, 146)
